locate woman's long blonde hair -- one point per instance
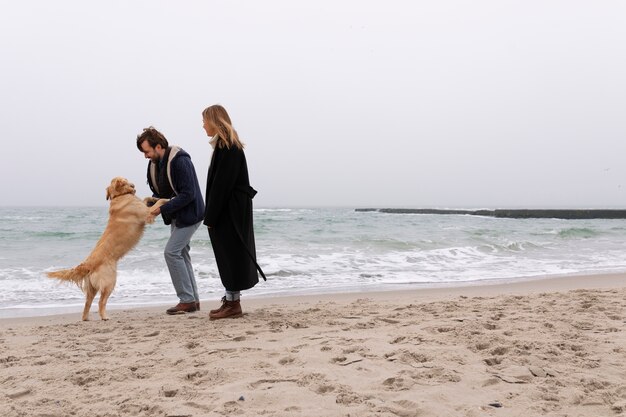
(226, 135)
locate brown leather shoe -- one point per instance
(197, 305)
(217, 310)
(230, 310)
(182, 308)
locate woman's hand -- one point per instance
(155, 211)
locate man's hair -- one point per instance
(153, 136)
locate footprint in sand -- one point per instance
(324, 389)
(8, 361)
(434, 376)
(287, 360)
(292, 408)
(500, 350)
(348, 398)
(492, 361)
(193, 376)
(85, 377)
(490, 326)
(482, 346)
(396, 384)
(398, 339)
(408, 357)
(262, 365)
(296, 349)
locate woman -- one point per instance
(228, 212)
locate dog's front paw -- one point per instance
(149, 201)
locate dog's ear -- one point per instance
(113, 188)
(118, 183)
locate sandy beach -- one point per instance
(550, 347)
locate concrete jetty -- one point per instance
(568, 214)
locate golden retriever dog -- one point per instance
(128, 216)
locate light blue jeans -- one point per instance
(179, 262)
(232, 295)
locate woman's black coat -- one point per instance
(228, 214)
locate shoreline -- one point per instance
(404, 292)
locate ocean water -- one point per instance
(303, 251)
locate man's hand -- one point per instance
(154, 205)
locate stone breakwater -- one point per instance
(573, 214)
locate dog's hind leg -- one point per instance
(102, 304)
(90, 293)
(109, 277)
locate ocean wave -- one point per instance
(520, 246)
(286, 273)
(17, 218)
(578, 232)
(46, 234)
(273, 210)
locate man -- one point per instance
(171, 175)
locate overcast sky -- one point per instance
(340, 103)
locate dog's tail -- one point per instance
(75, 275)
